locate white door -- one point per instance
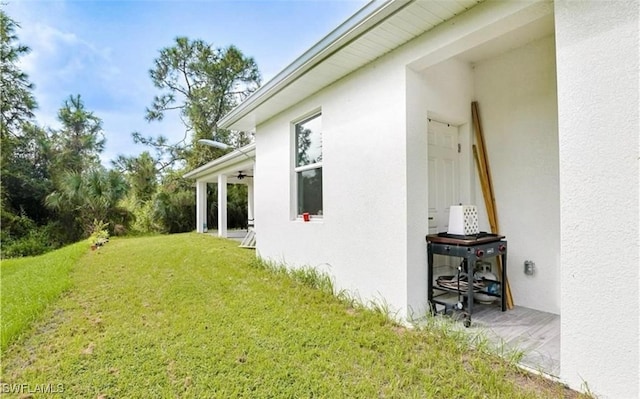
(444, 179)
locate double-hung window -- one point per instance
(308, 165)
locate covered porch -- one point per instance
(510, 71)
(236, 167)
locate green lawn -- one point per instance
(30, 284)
(192, 316)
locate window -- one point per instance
(308, 165)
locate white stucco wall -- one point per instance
(564, 162)
(417, 216)
(598, 85)
(375, 161)
(361, 239)
(516, 94)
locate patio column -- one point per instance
(201, 206)
(222, 205)
(250, 203)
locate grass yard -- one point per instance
(30, 284)
(192, 316)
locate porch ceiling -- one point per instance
(239, 160)
(527, 33)
(350, 46)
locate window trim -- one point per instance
(299, 169)
(310, 166)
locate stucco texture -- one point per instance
(598, 85)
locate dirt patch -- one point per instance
(399, 330)
(545, 386)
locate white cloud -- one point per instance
(63, 55)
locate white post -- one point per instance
(250, 203)
(222, 205)
(201, 206)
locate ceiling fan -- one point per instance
(242, 175)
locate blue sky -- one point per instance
(103, 50)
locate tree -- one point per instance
(141, 174)
(80, 141)
(26, 179)
(34, 162)
(16, 102)
(84, 190)
(202, 83)
(90, 195)
(16, 109)
(175, 204)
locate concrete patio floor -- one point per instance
(234, 234)
(535, 333)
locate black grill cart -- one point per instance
(471, 249)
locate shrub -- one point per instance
(99, 233)
(144, 218)
(36, 241)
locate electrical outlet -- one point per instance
(529, 267)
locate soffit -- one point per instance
(385, 27)
(230, 164)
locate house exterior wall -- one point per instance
(567, 133)
(598, 85)
(376, 212)
(516, 94)
(361, 239)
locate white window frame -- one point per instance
(299, 169)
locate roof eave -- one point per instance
(361, 22)
(223, 162)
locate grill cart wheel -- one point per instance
(466, 319)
